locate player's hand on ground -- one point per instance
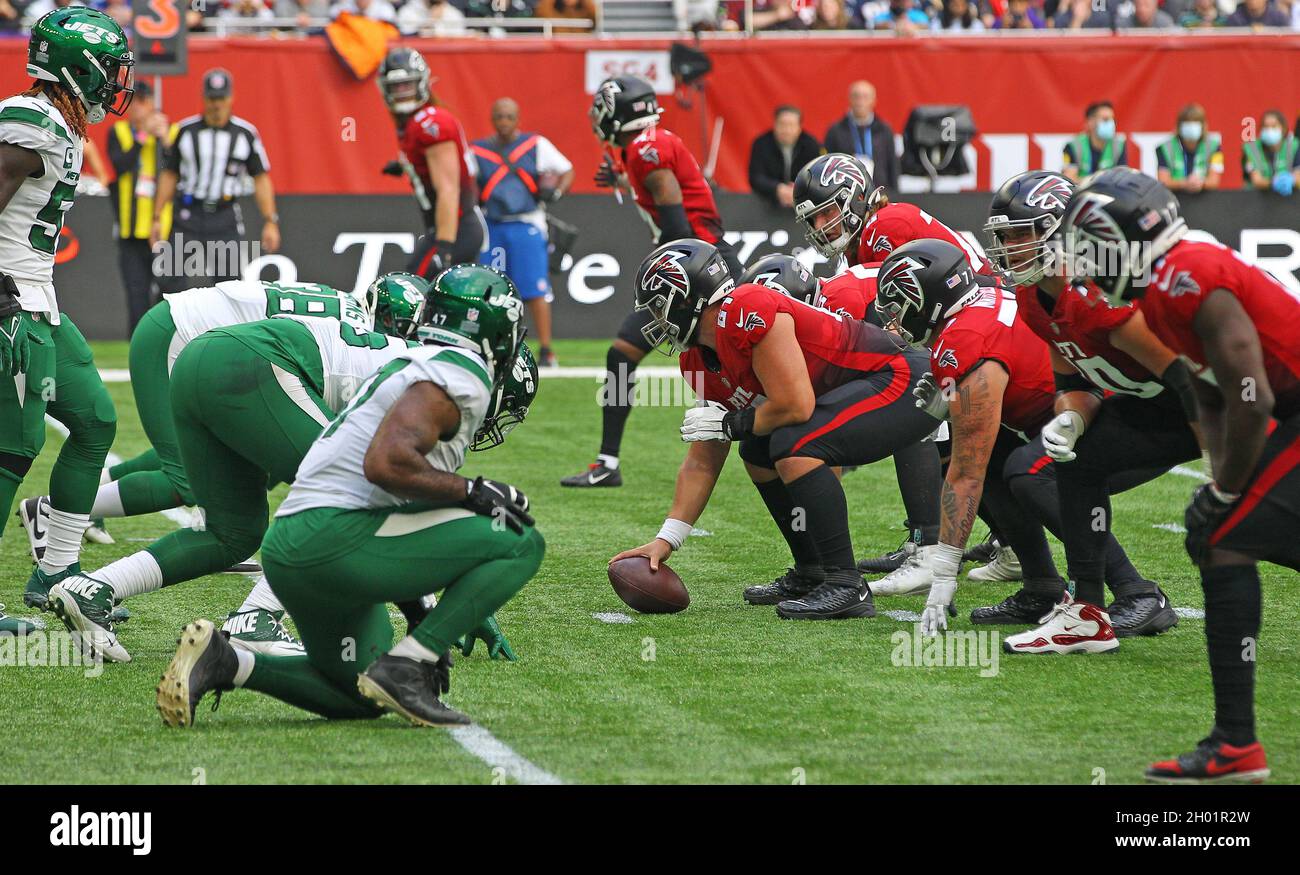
(656, 551)
(502, 502)
(14, 345)
(1208, 509)
(489, 632)
(1060, 435)
(935, 617)
(929, 397)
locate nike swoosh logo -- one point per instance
(862, 597)
(592, 478)
(38, 531)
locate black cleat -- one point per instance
(832, 600)
(204, 662)
(411, 688)
(889, 562)
(789, 586)
(595, 475)
(1143, 614)
(1213, 762)
(983, 552)
(1022, 608)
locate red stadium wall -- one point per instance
(328, 133)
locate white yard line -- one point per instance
(498, 755)
(1184, 471)
(1170, 527)
(613, 617)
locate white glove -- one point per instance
(704, 423)
(930, 398)
(1060, 435)
(945, 562)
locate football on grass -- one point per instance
(646, 591)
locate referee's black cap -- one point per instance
(217, 82)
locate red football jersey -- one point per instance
(892, 226)
(835, 349)
(851, 293)
(1078, 326)
(1191, 270)
(429, 126)
(660, 149)
(989, 328)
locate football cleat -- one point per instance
(1018, 609)
(204, 662)
(35, 515)
(85, 606)
(248, 566)
(913, 577)
(37, 593)
(595, 475)
(789, 586)
(1071, 627)
(888, 562)
(411, 689)
(1143, 614)
(1213, 762)
(97, 532)
(260, 631)
(984, 551)
(831, 600)
(18, 625)
(1003, 567)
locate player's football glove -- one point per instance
(505, 504)
(1209, 507)
(945, 563)
(1060, 435)
(490, 634)
(712, 421)
(393, 168)
(929, 397)
(15, 345)
(606, 175)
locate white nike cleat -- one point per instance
(913, 577)
(260, 631)
(1071, 627)
(1004, 567)
(97, 533)
(35, 514)
(85, 606)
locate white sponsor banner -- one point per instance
(651, 66)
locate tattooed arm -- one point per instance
(976, 416)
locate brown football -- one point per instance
(646, 591)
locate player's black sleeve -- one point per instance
(673, 224)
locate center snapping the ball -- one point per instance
(646, 591)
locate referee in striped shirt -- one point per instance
(205, 170)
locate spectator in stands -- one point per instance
(774, 15)
(431, 16)
(1019, 16)
(11, 17)
(247, 10)
(379, 10)
(777, 156)
(960, 15)
(1097, 146)
(1272, 160)
(302, 11)
(1191, 160)
(830, 15)
(1258, 14)
(1145, 14)
(1081, 15)
(863, 133)
(696, 15)
(903, 18)
(1204, 13)
(862, 13)
(578, 9)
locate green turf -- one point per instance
(731, 694)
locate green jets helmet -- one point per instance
(510, 402)
(86, 52)
(476, 308)
(396, 301)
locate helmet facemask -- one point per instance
(1098, 250)
(829, 226)
(404, 91)
(1019, 247)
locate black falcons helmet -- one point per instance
(839, 183)
(623, 103)
(921, 284)
(1118, 224)
(782, 273)
(403, 80)
(674, 284)
(1026, 210)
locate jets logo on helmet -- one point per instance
(901, 279)
(840, 170)
(666, 272)
(1052, 193)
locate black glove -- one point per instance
(548, 195)
(1205, 514)
(414, 611)
(606, 176)
(738, 425)
(501, 501)
(393, 168)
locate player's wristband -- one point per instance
(675, 532)
(738, 425)
(1223, 495)
(1178, 379)
(945, 561)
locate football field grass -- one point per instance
(722, 692)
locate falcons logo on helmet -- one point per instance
(769, 280)
(667, 272)
(605, 98)
(901, 279)
(1091, 218)
(1052, 194)
(840, 169)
